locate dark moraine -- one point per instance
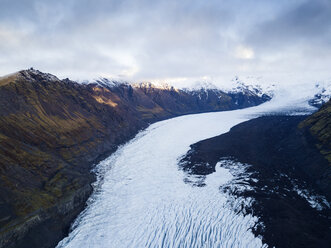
(284, 158)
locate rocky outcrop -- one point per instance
(53, 131)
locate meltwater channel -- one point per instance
(142, 200)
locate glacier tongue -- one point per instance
(142, 199)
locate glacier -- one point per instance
(142, 200)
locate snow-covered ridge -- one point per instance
(30, 73)
(316, 94)
(162, 86)
(248, 85)
(322, 95)
(251, 85)
(201, 85)
(237, 86)
(110, 83)
(198, 86)
(105, 82)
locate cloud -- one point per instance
(141, 40)
(243, 52)
(307, 24)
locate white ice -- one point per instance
(142, 200)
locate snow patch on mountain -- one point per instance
(155, 85)
(248, 86)
(322, 95)
(251, 85)
(31, 73)
(201, 85)
(109, 83)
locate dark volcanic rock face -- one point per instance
(51, 133)
(319, 126)
(293, 187)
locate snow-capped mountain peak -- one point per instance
(323, 94)
(251, 85)
(155, 85)
(32, 73)
(201, 85)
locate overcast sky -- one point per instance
(280, 40)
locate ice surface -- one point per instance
(142, 200)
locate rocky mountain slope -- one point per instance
(52, 132)
(290, 158)
(319, 126)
